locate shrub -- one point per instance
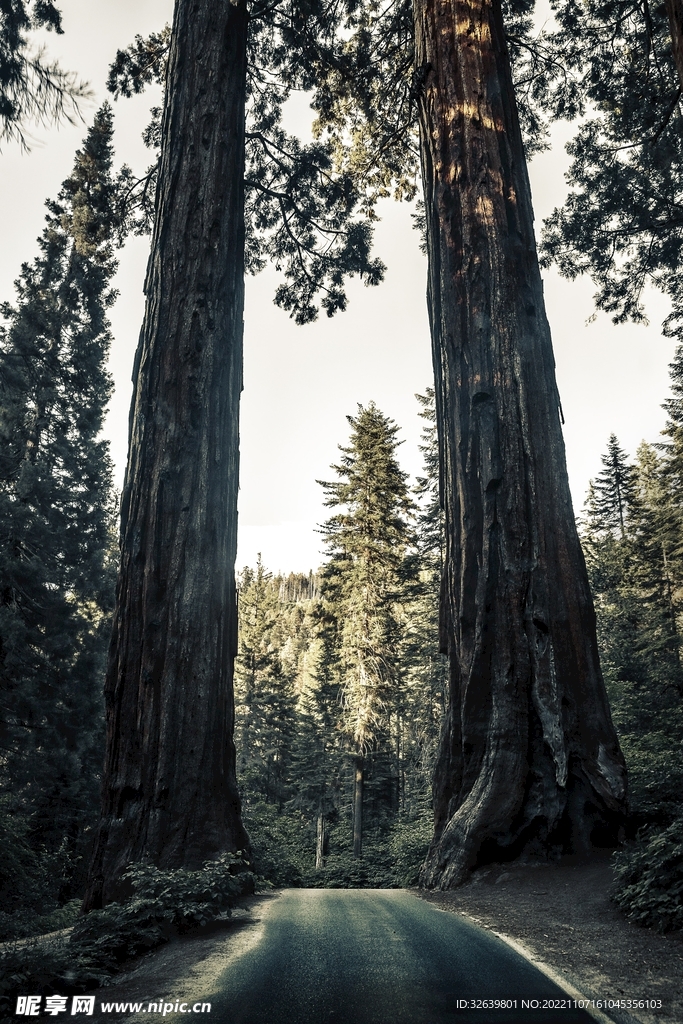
(409, 844)
(649, 879)
(282, 845)
(375, 870)
(162, 904)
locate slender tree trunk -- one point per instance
(320, 843)
(529, 761)
(169, 788)
(358, 808)
(674, 9)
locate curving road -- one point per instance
(359, 956)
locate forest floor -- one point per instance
(563, 917)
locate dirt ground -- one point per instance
(563, 916)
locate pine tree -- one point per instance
(363, 582)
(426, 666)
(620, 224)
(30, 88)
(636, 603)
(673, 431)
(613, 491)
(56, 511)
(318, 755)
(264, 693)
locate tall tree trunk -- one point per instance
(529, 761)
(674, 9)
(169, 787)
(358, 807)
(320, 842)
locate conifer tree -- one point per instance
(636, 593)
(264, 696)
(426, 666)
(673, 430)
(318, 767)
(30, 88)
(56, 508)
(363, 583)
(169, 787)
(613, 490)
(529, 759)
(623, 63)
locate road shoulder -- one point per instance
(561, 916)
(185, 969)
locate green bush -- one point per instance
(409, 844)
(162, 904)
(340, 870)
(282, 845)
(649, 879)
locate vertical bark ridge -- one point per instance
(169, 786)
(674, 10)
(529, 760)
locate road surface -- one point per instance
(382, 956)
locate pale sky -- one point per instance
(301, 382)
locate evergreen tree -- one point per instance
(169, 789)
(620, 222)
(363, 583)
(318, 754)
(264, 695)
(636, 593)
(673, 430)
(30, 88)
(57, 514)
(426, 666)
(613, 491)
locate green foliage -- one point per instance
(272, 643)
(302, 209)
(632, 530)
(57, 515)
(282, 844)
(300, 641)
(649, 879)
(637, 581)
(620, 222)
(367, 571)
(341, 870)
(30, 88)
(162, 904)
(612, 493)
(410, 839)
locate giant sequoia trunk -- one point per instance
(674, 10)
(529, 762)
(169, 789)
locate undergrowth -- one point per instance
(162, 904)
(649, 879)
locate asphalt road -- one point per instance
(359, 956)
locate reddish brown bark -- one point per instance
(169, 789)
(529, 761)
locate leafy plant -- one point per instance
(162, 904)
(649, 879)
